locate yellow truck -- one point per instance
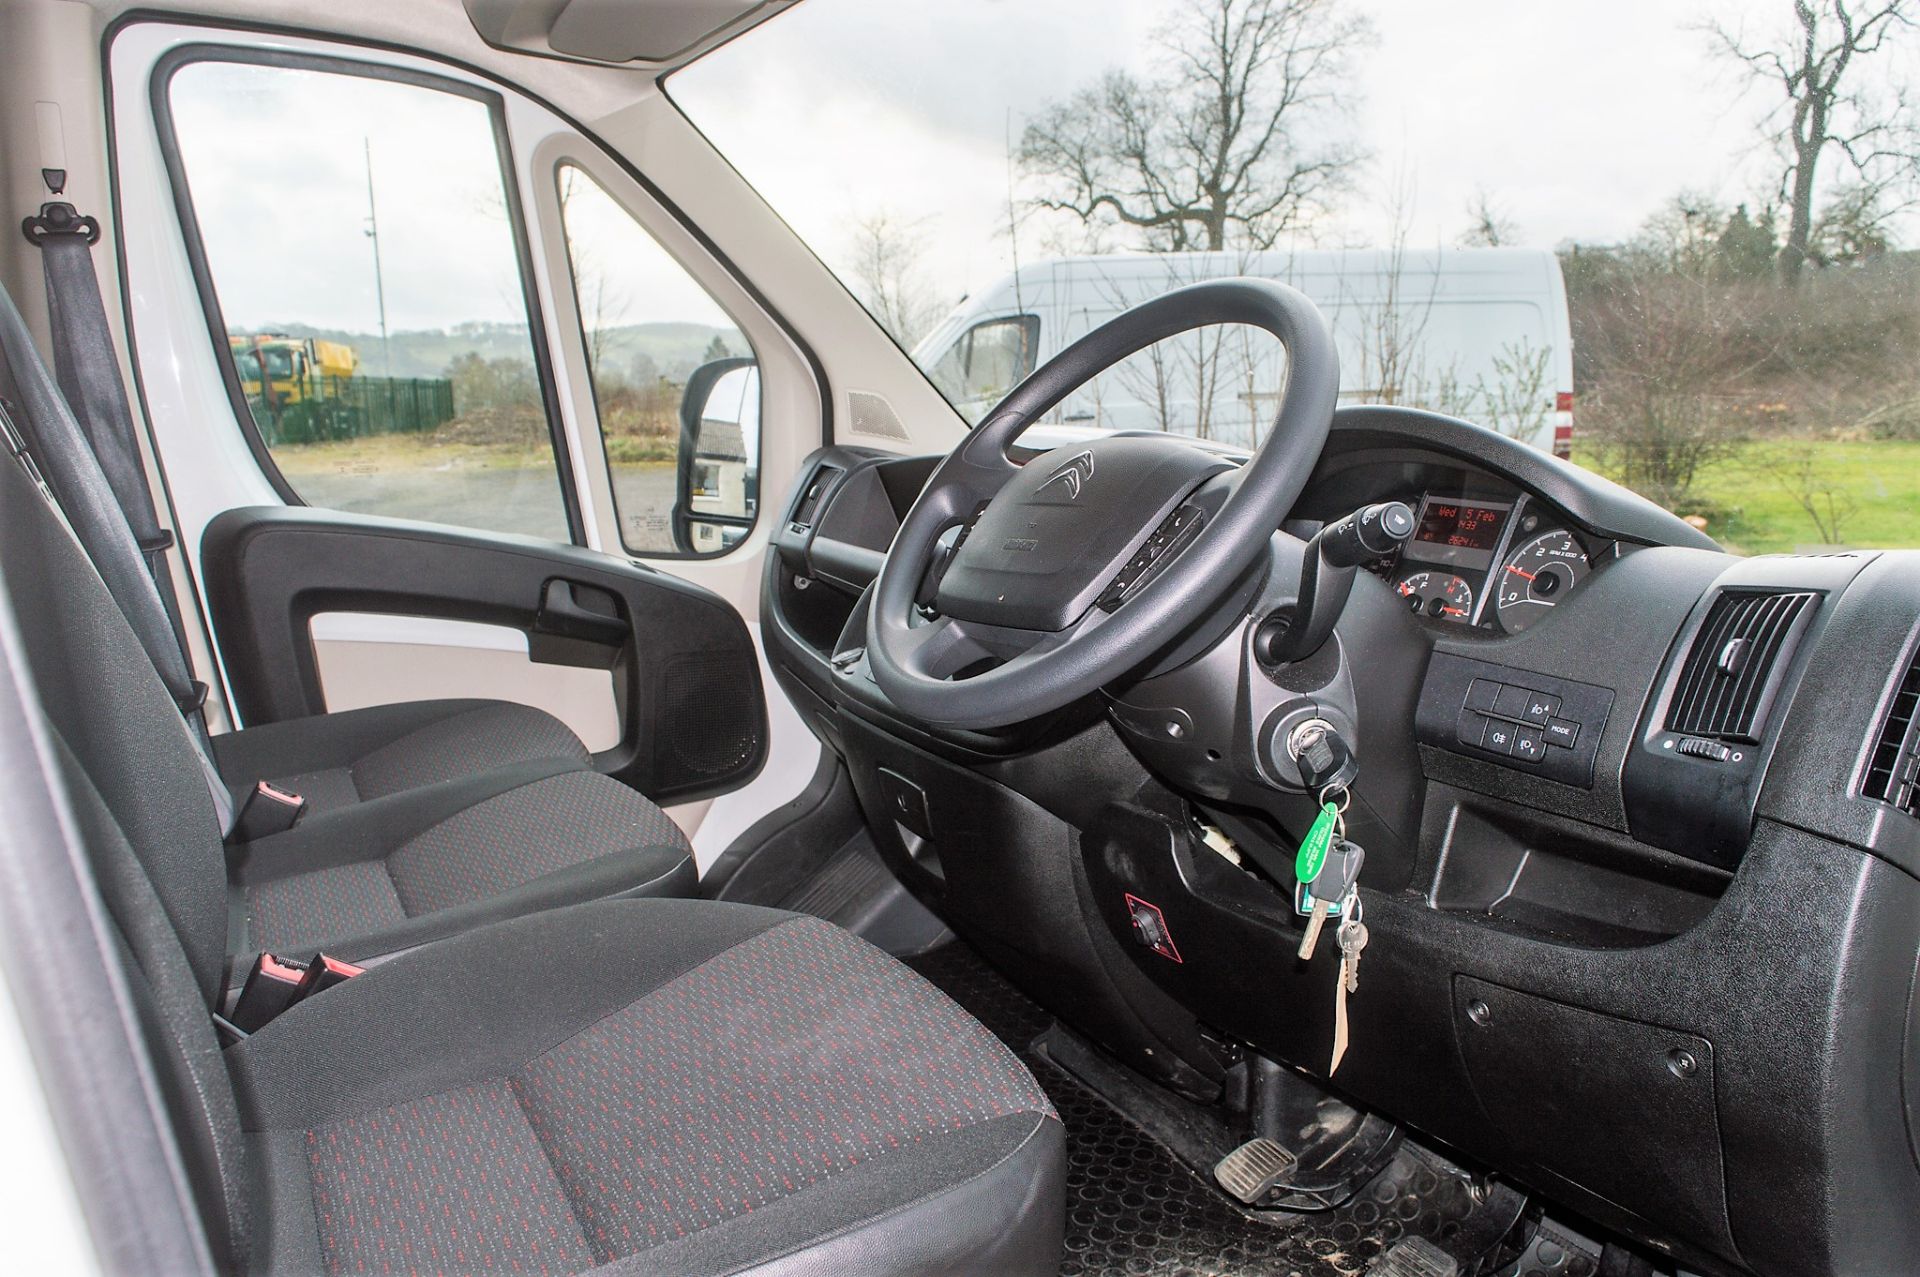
(309, 390)
(282, 370)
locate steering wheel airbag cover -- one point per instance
(1061, 528)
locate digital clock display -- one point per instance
(1461, 534)
(1469, 527)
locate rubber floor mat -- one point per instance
(1133, 1208)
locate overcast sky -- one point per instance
(1578, 117)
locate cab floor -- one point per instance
(1133, 1208)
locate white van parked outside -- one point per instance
(1480, 333)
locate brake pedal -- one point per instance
(1251, 1171)
(1414, 1257)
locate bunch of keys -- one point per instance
(1328, 868)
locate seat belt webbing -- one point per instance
(73, 473)
(88, 371)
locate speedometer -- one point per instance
(1536, 576)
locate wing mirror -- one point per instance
(718, 482)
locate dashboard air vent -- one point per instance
(1728, 682)
(809, 505)
(1893, 772)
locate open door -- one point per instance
(416, 356)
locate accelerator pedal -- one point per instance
(1414, 1257)
(1251, 1171)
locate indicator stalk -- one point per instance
(1326, 579)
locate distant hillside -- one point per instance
(632, 351)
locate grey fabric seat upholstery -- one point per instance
(337, 760)
(705, 1088)
(423, 864)
(416, 856)
(644, 1086)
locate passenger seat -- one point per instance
(426, 818)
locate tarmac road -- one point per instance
(524, 501)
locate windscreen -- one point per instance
(1673, 241)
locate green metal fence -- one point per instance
(329, 409)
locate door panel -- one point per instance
(366, 658)
(680, 658)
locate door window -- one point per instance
(364, 256)
(676, 383)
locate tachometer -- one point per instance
(1536, 576)
(1440, 594)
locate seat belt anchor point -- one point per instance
(57, 217)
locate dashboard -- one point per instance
(1596, 923)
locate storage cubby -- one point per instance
(1562, 881)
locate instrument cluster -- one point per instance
(1493, 564)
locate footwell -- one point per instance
(1132, 1207)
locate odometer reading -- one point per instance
(1536, 576)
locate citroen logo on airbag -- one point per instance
(1072, 474)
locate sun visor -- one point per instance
(659, 33)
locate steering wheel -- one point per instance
(1076, 567)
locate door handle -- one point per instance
(571, 610)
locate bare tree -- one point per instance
(1488, 226)
(1238, 141)
(1207, 383)
(1854, 227)
(886, 273)
(1812, 70)
(1666, 356)
(1393, 324)
(1517, 400)
(603, 307)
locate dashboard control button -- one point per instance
(1472, 729)
(1498, 736)
(1701, 747)
(1528, 746)
(1540, 709)
(1562, 732)
(1512, 702)
(1482, 693)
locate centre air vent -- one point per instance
(1893, 771)
(1732, 671)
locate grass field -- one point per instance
(1750, 510)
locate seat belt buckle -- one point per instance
(266, 812)
(272, 986)
(323, 973)
(276, 983)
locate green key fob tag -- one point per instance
(1313, 848)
